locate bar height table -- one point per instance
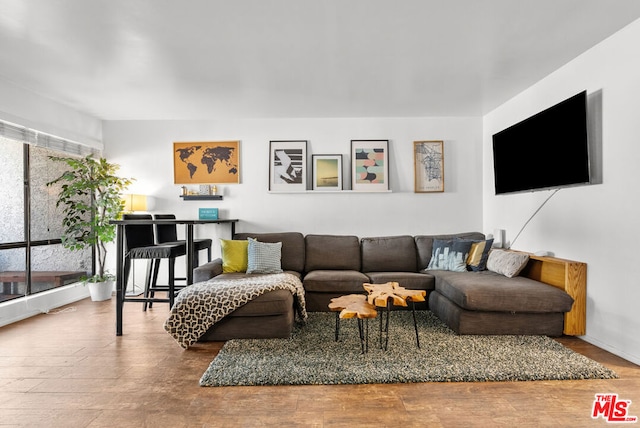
(120, 244)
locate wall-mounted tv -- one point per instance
(545, 151)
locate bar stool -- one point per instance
(168, 233)
(140, 244)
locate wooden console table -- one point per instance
(567, 275)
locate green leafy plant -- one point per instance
(90, 197)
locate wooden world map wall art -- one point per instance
(206, 162)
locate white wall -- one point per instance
(31, 110)
(41, 303)
(144, 151)
(595, 224)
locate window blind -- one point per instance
(31, 136)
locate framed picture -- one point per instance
(327, 172)
(370, 165)
(288, 166)
(428, 166)
(206, 162)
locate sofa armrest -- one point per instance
(207, 271)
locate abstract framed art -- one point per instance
(288, 166)
(327, 172)
(428, 166)
(370, 165)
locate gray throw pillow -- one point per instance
(264, 257)
(507, 263)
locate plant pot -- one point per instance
(100, 291)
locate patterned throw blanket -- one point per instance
(199, 306)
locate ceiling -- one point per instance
(206, 59)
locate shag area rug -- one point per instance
(312, 356)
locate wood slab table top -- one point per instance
(380, 294)
(353, 305)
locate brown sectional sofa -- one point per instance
(334, 265)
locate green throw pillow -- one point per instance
(234, 255)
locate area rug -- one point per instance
(312, 356)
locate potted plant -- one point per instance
(90, 197)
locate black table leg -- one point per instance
(189, 244)
(337, 325)
(367, 334)
(383, 314)
(361, 332)
(415, 324)
(386, 341)
(119, 277)
(380, 335)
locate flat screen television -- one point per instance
(545, 151)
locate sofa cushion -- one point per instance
(270, 315)
(424, 245)
(389, 254)
(274, 302)
(489, 291)
(478, 254)
(234, 255)
(236, 275)
(408, 280)
(326, 252)
(507, 263)
(292, 247)
(483, 322)
(335, 281)
(450, 255)
(264, 257)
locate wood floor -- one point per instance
(68, 369)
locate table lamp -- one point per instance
(133, 203)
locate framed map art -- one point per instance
(428, 166)
(206, 162)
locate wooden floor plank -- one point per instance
(68, 368)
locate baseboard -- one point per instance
(24, 307)
(635, 359)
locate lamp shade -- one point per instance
(134, 203)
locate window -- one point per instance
(32, 259)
